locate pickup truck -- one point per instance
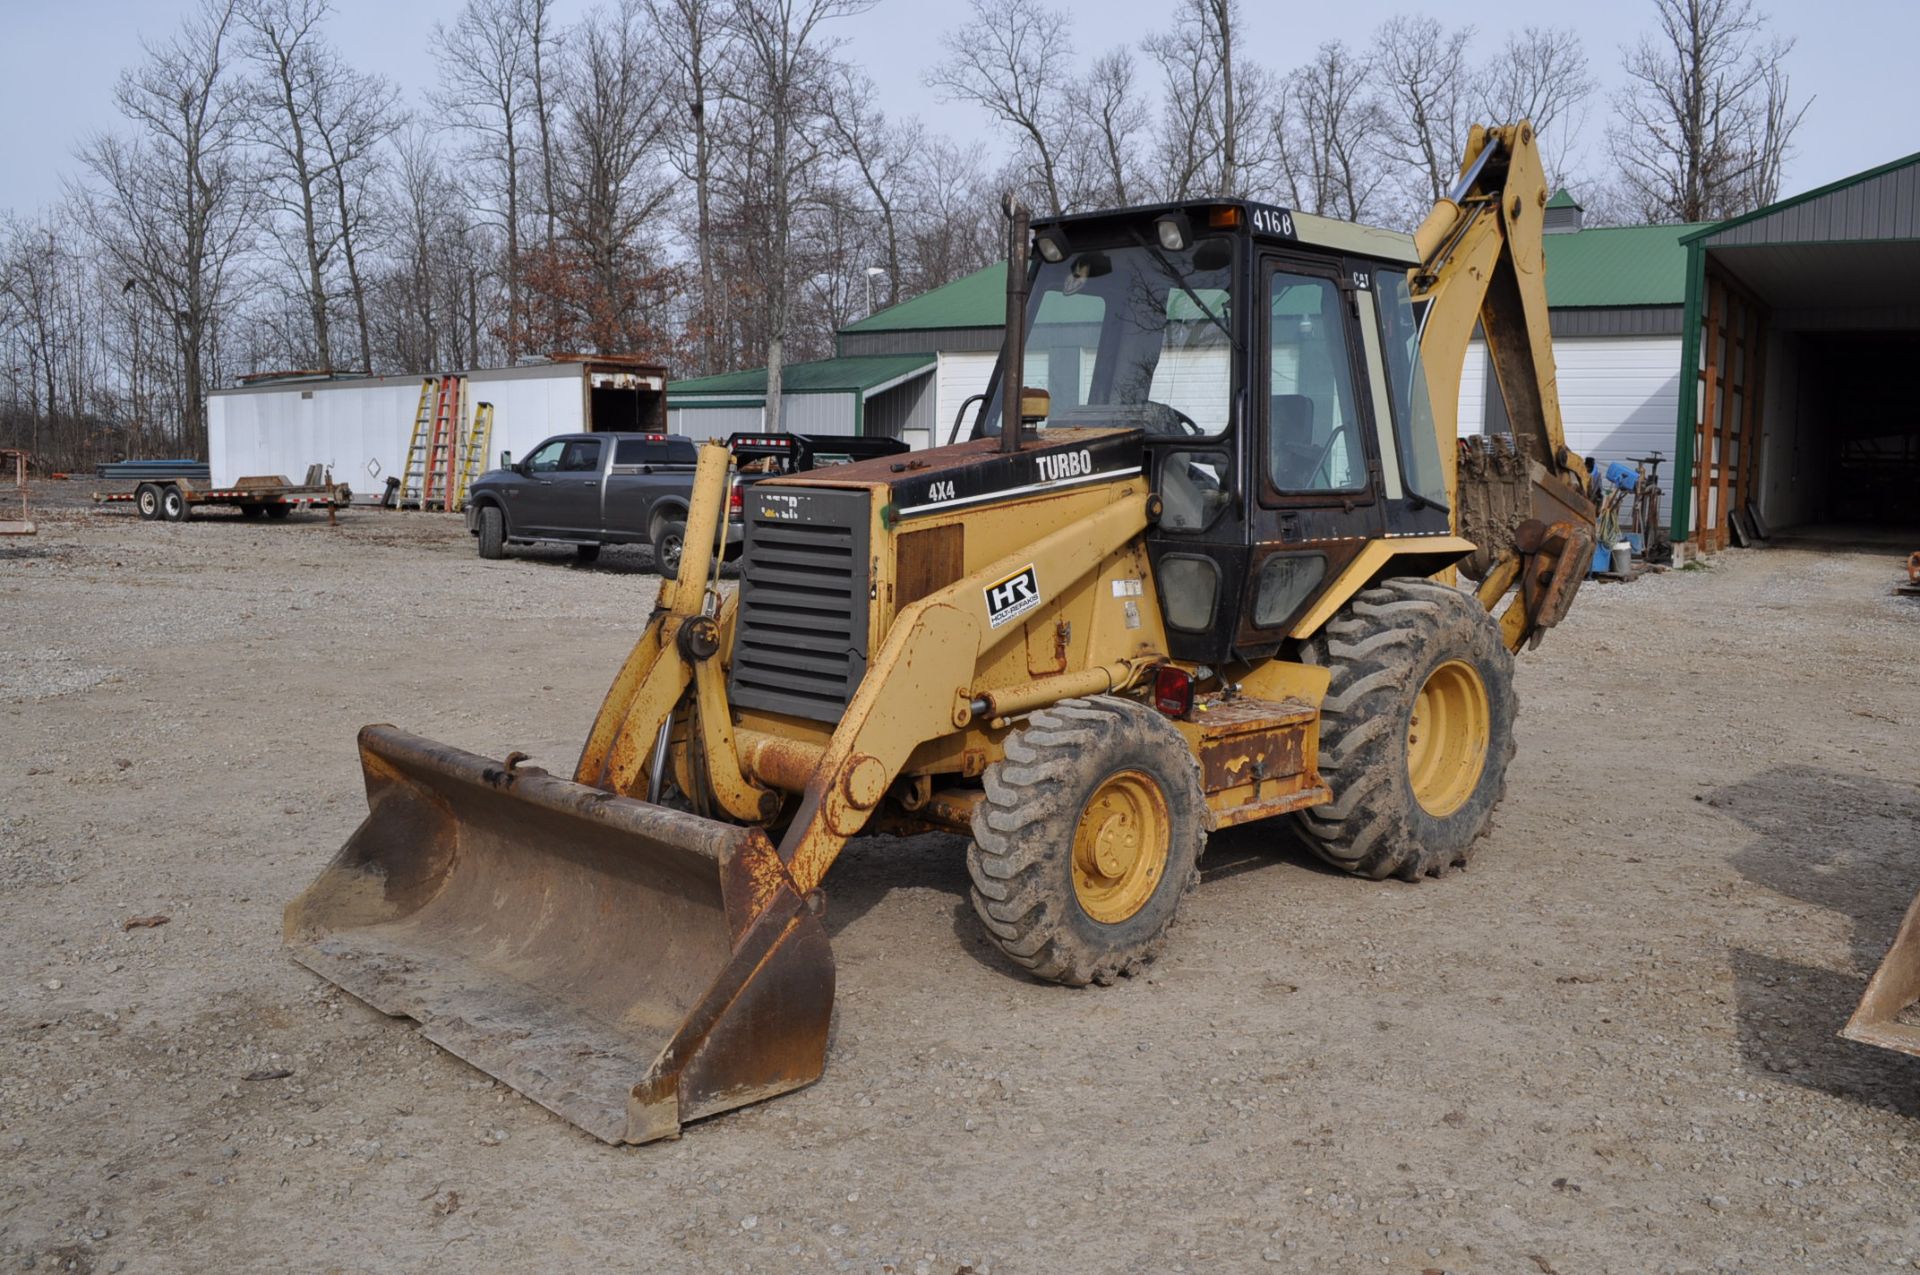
(590, 490)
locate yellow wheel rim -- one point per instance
(1447, 738)
(1120, 847)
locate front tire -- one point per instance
(1416, 731)
(146, 502)
(277, 512)
(493, 532)
(1089, 835)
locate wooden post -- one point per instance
(1752, 403)
(1704, 458)
(1734, 315)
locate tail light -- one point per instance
(737, 497)
(1173, 691)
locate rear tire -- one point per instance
(1089, 835)
(278, 512)
(1416, 731)
(146, 501)
(493, 532)
(586, 555)
(253, 511)
(173, 505)
(669, 542)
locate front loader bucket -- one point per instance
(626, 966)
(1888, 1016)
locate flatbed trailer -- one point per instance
(174, 499)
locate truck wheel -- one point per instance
(253, 511)
(586, 555)
(146, 501)
(493, 532)
(668, 542)
(1416, 731)
(1090, 833)
(279, 511)
(173, 505)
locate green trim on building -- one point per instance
(1687, 401)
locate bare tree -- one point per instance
(954, 226)
(785, 65)
(1109, 114)
(881, 153)
(693, 39)
(1705, 122)
(171, 206)
(1327, 127)
(1011, 59)
(354, 116)
(1422, 74)
(1540, 75)
(609, 187)
(485, 68)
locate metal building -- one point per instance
(1801, 332)
(887, 396)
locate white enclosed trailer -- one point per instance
(359, 427)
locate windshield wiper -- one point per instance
(1181, 279)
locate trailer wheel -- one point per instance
(1416, 731)
(586, 555)
(173, 504)
(493, 532)
(146, 501)
(1090, 833)
(279, 511)
(253, 511)
(669, 541)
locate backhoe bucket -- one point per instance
(626, 966)
(1889, 1013)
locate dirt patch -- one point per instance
(1609, 1046)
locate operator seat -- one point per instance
(1295, 452)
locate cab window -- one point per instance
(546, 457)
(1313, 433)
(581, 455)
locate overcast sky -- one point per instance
(59, 59)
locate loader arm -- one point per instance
(1483, 265)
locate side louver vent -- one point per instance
(801, 642)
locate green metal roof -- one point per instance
(1617, 266)
(978, 300)
(828, 376)
(1561, 199)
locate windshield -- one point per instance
(1115, 338)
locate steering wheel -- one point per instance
(1187, 424)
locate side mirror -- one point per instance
(1035, 405)
(506, 460)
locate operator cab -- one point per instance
(1271, 361)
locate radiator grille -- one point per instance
(800, 645)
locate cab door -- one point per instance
(1312, 470)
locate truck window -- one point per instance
(636, 451)
(546, 457)
(581, 455)
(681, 451)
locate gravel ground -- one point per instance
(1609, 1047)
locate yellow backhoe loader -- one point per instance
(1193, 568)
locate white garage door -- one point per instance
(1618, 396)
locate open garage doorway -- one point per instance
(1803, 332)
